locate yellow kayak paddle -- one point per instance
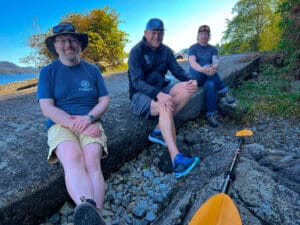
(220, 209)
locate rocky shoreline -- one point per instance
(144, 191)
(140, 193)
(18, 88)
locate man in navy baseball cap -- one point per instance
(153, 96)
(155, 24)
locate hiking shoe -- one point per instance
(86, 213)
(156, 137)
(224, 108)
(212, 120)
(228, 97)
(183, 165)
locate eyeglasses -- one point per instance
(204, 28)
(66, 28)
(65, 41)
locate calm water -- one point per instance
(5, 79)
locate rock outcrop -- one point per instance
(31, 189)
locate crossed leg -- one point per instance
(166, 117)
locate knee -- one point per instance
(93, 166)
(77, 157)
(71, 158)
(163, 110)
(209, 86)
(92, 161)
(181, 93)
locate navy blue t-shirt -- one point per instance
(74, 89)
(203, 54)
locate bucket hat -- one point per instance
(155, 24)
(65, 28)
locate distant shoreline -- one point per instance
(20, 87)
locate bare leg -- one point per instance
(180, 95)
(92, 155)
(77, 180)
(166, 117)
(167, 126)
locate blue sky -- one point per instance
(181, 18)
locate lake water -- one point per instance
(5, 79)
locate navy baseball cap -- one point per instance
(155, 24)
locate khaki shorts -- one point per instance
(58, 134)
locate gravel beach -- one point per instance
(143, 189)
(140, 190)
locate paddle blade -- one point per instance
(218, 210)
(244, 133)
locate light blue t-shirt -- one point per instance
(74, 89)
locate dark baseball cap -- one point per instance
(204, 28)
(155, 24)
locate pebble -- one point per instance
(138, 192)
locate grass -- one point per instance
(271, 93)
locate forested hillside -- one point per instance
(10, 68)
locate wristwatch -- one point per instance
(92, 118)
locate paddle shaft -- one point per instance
(220, 209)
(230, 174)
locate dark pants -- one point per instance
(213, 86)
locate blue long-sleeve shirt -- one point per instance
(147, 69)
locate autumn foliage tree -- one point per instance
(106, 40)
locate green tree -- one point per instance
(290, 39)
(253, 28)
(290, 24)
(106, 40)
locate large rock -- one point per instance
(256, 192)
(31, 189)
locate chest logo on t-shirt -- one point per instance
(85, 86)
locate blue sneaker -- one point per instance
(156, 137)
(183, 165)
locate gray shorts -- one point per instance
(141, 103)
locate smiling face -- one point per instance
(68, 47)
(203, 38)
(154, 38)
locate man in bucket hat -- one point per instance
(73, 96)
(153, 96)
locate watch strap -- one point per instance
(92, 118)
